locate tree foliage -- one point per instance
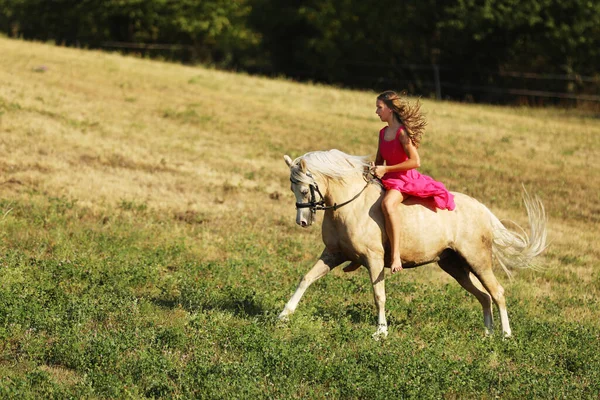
(215, 30)
(351, 42)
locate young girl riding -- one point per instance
(396, 163)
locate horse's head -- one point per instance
(305, 189)
(334, 171)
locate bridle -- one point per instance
(319, 205)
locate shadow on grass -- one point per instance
(240, 307)
(246, 307)
(358, 315)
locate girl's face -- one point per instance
(384, 112)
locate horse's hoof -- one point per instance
(381, 333)
(283, 317)
(353, 266)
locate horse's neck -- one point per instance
(340, 191)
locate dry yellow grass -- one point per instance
(199, 143)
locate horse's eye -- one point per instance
(304, 192)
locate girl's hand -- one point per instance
(379, 171)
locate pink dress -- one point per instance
(411, 182)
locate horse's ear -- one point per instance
(302, 165)
(288, 160)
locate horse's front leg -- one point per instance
(326, 263)
(377, 274)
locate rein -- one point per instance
(319, 205)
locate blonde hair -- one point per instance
(408, 114)
(332, 164)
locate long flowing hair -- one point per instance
(408, 114)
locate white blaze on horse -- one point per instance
(463, 242)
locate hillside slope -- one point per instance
(146, 217)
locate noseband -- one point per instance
(319, 205)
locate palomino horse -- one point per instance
(463, 242)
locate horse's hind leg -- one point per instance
(458, 268)
(489, 281)
(326, 263)
(481, 265)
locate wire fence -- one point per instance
(444, 82)
(431, 80)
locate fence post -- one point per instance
(436, 78)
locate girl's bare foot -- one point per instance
(396, 266)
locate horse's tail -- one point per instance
(517, 250)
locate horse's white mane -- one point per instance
(331, 164)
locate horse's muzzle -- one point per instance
(303, 218)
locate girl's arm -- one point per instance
(379, 158)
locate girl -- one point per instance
(396, 163)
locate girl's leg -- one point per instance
(389, 205)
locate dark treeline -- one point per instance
(477, 44)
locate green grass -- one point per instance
(126, 318)
(121, 308)
(147, 246)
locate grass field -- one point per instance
(148, 242)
